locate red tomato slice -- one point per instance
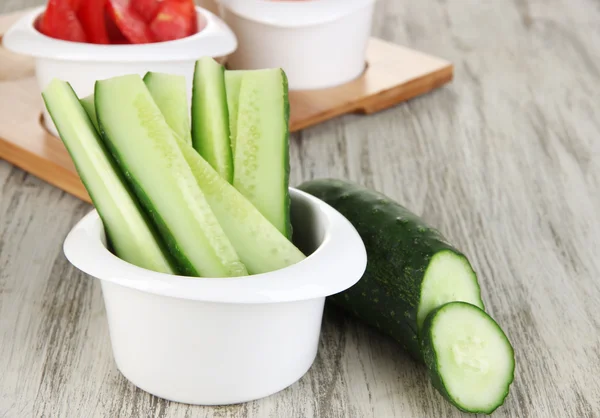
(91, 16)
(175, 19)
(75, 4)
(114, 34)
(146, 8)
(60, 22)
(129, 22)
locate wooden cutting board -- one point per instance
(393, 74)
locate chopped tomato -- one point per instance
(129, 22)
(146, 8)
(91, 16)
(60, 22)
(114, 34)
(75, 4)
(175, 19)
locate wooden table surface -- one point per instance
(505, 161)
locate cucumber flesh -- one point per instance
(233, 83)
(449, 277)
(470, 359)
(90, 108)
(171, 99)
(260, 246)
(128, 231)
(262, 149)
(147, 152)
(210, 117)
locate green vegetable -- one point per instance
(411, 268)
(171, 99)
(233, 83)
(260, 246)
(147, 152)
(470, 360)
(90, 108)
(262, 145)
(210, 118)
(129, 232)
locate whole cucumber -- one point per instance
(411, 268)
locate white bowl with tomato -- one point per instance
(82, 41)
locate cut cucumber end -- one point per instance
(449, 277)
(470, 359)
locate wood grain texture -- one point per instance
(505, 161)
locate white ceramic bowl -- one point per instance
(81, 64)
(319, 43)
(222, 341)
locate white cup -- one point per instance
(222, 341)
(81, 64)
(319, 43)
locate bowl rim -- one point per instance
(337, 264)
(215, 40)
(293, 14)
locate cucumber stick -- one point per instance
(260, 246)
(90, 108)
(412, 269)
(128, 231)
(210, 117)
(233, 83)
(147, 152)
(470, 360)
(262, 145)
(171, 98)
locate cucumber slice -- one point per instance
(171, 99)
(233, 83)
(128, 231)
(262, 164)
(448, 278)
(90, 108)
(147, 152)
(210, 117)
(260, 246)
(470, 360)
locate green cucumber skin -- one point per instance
(397, 242)
(288, 232)
(210, 118)
(430, 359)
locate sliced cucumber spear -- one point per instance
(470, 360)
(262, 164)
(233, 83)
(128, 231)
(147, 152)
(171, 98)
(90, 108)
(210, 118)
(260, 246)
